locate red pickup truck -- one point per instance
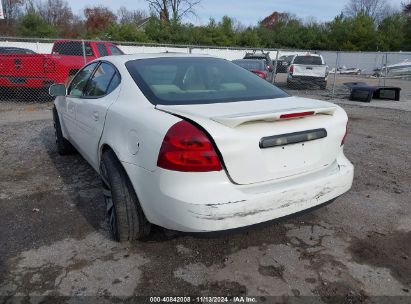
(39, 71)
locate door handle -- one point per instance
(95, 116)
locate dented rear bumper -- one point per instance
(206, 202)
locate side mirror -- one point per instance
(57, 90)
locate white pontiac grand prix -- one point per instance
(197, 144)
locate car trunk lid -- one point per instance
(248, 139)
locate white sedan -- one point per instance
(197, 144)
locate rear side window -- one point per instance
(72, 48)
(99, 84)
(309, 60)
(102, 49)
(198, 80)
(115, 50)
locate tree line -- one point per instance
(360, 27)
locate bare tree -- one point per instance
(376, 9)
(177, 8)
(12, 10)
(55, 12)
(159, 7)
(406, 8)
(183, 8)
(127, 16)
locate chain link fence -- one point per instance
(29, 66)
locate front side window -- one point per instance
(198, 80)
(79, 82)
(99, 84)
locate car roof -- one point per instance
(256, 55)
(121, 59)
(304, 55)
(250, 59)
(79, 41)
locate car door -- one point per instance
(92, 107)
(74, 92)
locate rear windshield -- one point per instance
(250, 64)
(72, 48)
(310, 60)
(198, 80)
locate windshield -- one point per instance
(198, 80)
(310, 60)
(250, 64)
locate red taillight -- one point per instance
(345, 135)
(186, 148)
(49, 65)
(259, 73)
(296, 115)
(291, 69)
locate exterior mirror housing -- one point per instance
(57, 90)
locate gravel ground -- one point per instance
(54, 240)
(340, 90)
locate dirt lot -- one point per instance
(54, 239)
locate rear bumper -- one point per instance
(306, 79)
(206, 202)
(25, 82)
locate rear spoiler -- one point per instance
(233, 121)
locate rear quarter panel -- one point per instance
(134, 129)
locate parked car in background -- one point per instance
(267, 61)
(197, 144)
(24, 69)
(15, 50)
(256, 66)
(283, 63)
(307, 69)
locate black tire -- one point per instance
(64, 147)
(125, 216)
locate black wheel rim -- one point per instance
(55, 133)
(110, 207)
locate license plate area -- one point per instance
(292, 138)
(17, 80)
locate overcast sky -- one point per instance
(248, 12)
